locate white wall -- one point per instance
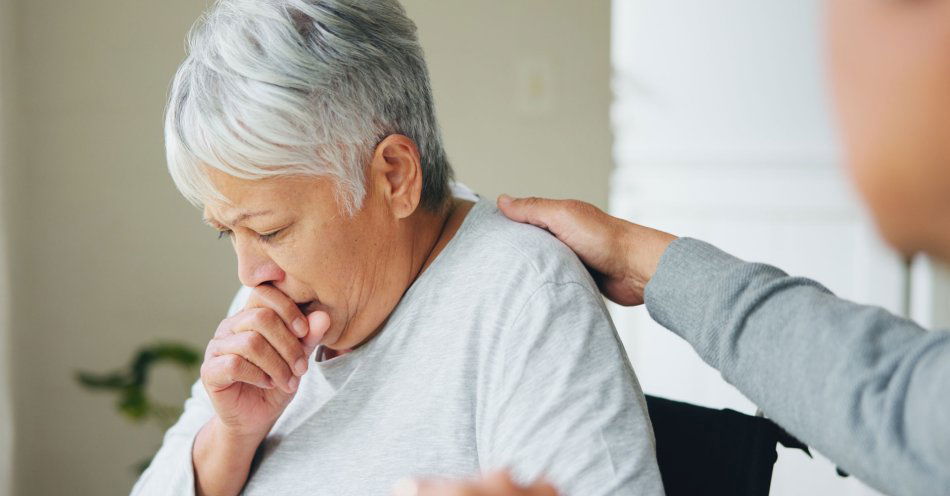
(723, 132)
(105, 254)
(930, 293)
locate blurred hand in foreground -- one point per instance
(497, 484)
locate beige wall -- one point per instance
(106, 256)
(480, 54)
(7, 155)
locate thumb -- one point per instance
(319, 324)
(540, 212)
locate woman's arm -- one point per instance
(221, 461)
(559, 399)
(171, 471)
(198, 456)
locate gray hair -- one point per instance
(301, 87)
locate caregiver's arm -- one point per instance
(865, 387)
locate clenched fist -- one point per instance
(252, 365)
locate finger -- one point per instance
(221, 372)
(495, 484)
(319, 322)
(531, 210)
(542, 488)
(224, 327)
(267, 296)
(266, 322)
(255, 348)
(552, 215)
(408, 487)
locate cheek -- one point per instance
(320, 267)
(328, 260)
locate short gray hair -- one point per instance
(301, 87)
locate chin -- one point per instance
(884, 190)
(903, 225)
(338, 339)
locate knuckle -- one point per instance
(461, 491)
(206, 369)
(266, 316)
(211, 350)
(573, 209)
(255, 343)
(532, 201)
(572, 204)
(290, 308)
(586, 208)
(224, 327)
(231, 366)
(576, 206)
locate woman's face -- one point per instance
(290, 232)
(890, 62)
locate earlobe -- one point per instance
(399, 167)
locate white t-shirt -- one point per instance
(500, 355)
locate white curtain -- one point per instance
(723, 132)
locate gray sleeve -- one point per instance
(171, 471)
(866, 388)
(563, 401)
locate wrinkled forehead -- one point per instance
(243, 199)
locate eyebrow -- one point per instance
(247, 215)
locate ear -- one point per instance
(396, 170)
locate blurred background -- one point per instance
(707, 119)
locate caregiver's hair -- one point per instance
(301, 87)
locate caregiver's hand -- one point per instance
(621, 255)
(498, 484)
(251, 370)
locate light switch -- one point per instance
(535, 86)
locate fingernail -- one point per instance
(504, 199)
(300, 367)
(301, 327)
(405, 487)
(293, 383)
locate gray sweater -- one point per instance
(866, 388)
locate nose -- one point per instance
(255, 267)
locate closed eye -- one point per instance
(266, 238)
(269, 236)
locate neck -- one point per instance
(428, 233)
(433, 232)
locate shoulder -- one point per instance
(517, 252)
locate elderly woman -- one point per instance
(391, 329)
